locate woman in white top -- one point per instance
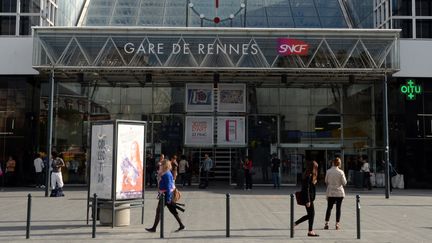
(335, 180)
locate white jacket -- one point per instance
(335, 180)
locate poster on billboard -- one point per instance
(199, 130)
(101, 166)
(232, 98)
(231, 131)
(199, 98)
(130, 157)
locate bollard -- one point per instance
(94, 209)
(358, 215)
(162, 206)
(292, 216)
(228, 215)
(29, 201)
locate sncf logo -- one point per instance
(287, 47)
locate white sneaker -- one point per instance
(43, 187)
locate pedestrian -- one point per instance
(308, 195)
(248, 172)
(57, 184)
(39, 168)
(240, 174)
(264, 169)
(182, 169)
(150, 169)
(166, 187)
(335, 181)
(366, 173)
(275, 167)
(174, 167)
(206, 166)
(10, 171)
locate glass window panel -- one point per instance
(105, 11)
(266, 100)
(152, 11)
(333, 22)
(327, 3)
(423, 8)
(325, 101)
(260, 12)
(8, 6)
(405, 25)
(278, 12)
(152, 3)
(402, 8)
(302, 3)
(162, 100)
(281, 22)
(329, 12)
(175, 21)
(26, 22)
(307, 22)
(102, 3)
(30, 6)
(304, 12)
(150, 20)
(358, 99)
(7, 25)
(97, 21)
(123, 21)
(128, 12)
(128, 3)
(424, 28)
(325, 129)
(277, 3)
(256, 22)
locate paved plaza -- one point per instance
(262, 214)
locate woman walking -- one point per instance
(166, 187)
(335, 181)
(308, 195)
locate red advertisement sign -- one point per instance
(287, 47)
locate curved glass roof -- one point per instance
(216, 13)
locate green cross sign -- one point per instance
(411, 89)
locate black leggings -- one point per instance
(330, 202)
(310, 216)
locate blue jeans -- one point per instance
(276, 179)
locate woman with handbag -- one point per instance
(308, 195)
(166, 187)
(335, 180)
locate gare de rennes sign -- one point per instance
(283, 46)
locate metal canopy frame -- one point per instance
(104, 49)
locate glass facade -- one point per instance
(412, 16)
(205, 13)
(410, 133)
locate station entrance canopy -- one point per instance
(216, 49)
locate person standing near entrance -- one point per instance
(183, 167)
(335, 181)
(39, 166)
(309, 181)
(10, 171)
(206, 166)
(275, 167)
(248, 172)
(56, 176)
(366, 173)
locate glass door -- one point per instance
(294, 162)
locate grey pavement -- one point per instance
(262, 214)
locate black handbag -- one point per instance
(298, 196)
